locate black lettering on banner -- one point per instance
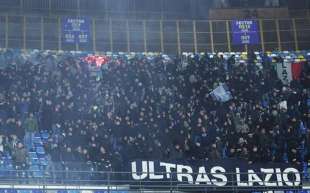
(284, 72)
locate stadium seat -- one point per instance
(100, 191)
(24, 191)
(37, 141)
(3, 172)
(11, 191)
(40, 151)
(37, 191)
(37, 134)
(62, 191)
(35, 161)
(108, 135)
(73, 191)
(45, 135)
(43, 161)
(33, 155)
(7, 156)
(36, 171)
(119, 191)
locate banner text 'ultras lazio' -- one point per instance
(241, 175)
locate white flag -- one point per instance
(221, 93)
(284, 71)
(283, 105)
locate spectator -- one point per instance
(56, 166)
(220, 3)
(2, 146)
(154, 108)
(20, 157)
(214, 153)
(272, 3)
(31, 127)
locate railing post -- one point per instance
(94, 34)
(235, 189)
(178, 37)
(111, 34)
(6, 31)
(24, 32)
(77, 43)
(50, 7)
(79, 7)
(261, 29)
(228, 36)
(42, 33)
(278, 34)
(128, 35)
(21, 6)
(144, 36)
(211, 35)
(171, 190)
(162, 48)
(140, 184)
(295, 34)
(59, 33)
(195, 36)
(44, 177)
(109, 184)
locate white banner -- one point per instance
(284, 71)
(221, 93)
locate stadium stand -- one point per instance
(157, 96)
(57, 115)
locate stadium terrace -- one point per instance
(217, 175)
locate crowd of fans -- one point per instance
(151, 107)
(248, 3)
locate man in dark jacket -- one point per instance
(20, 157)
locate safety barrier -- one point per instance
(113, 181)
(166, 36)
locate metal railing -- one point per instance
(130, 8)
(166, 36)
(108, 179)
